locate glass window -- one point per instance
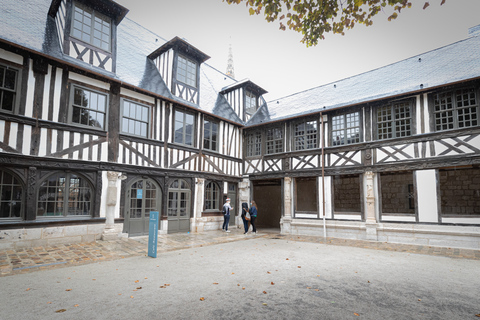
(210, 135)
(63, 195)
(135, 119)
(460, 192)
(455, 109)
(346, 129)
(394, 121)
(89, 108)
(347, 194)
(8, 87)
(250, 103)
(184, 128)
(254, 144)
(187, 71)
(305, 135)
(91, 27)
(212, 196)
(11, 196)
(306, 195)
(398, 193)
(274, 140)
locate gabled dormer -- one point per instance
(245, 97)
(87, 30)
(179, 65)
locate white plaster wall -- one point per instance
(136, 95)
(427, 195)
(93, 82)
(12, 57)
(328, 196)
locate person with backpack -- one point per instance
(245, 217)
(253, 215)
(226, 214)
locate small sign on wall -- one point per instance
(153, 234)
(139, 193)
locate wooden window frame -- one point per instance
(186, 79)
(210, 140)
(16, 182)
(184, 134)
(253, 144)
(394, 123)
(454, 110)
(72, 105)
(346, 127)
(135, 120)
(274, 143)
(305, 135)
(251, 103)
(94, 14)
(212, 197)
(15, 91)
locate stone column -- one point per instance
(371, 221)
(198, 223)
(244, 196)
(109, 231)
(285, 222)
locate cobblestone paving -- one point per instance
(40, 258)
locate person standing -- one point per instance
(226, 215)
(244, 216)
(253, 215)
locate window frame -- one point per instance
(250, 108)
(21, 185)
(455, 108)
(345, 128)
(148, 122)
(305, 122)
(188, 68)
(215, 199)
(66, 200)
(253, 146)
(94, 14)
(18, 84)
(194, 122)
(210, 139)
(71, 106)
(393, 121)
(274, 142)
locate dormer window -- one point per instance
(250, 103)
(91, 27)
(187, 71)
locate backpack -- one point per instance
(224, 210)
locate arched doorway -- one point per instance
(178, 206)
(143, 196)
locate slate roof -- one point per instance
(457, 62)
(28, 25)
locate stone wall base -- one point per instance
(467, 237)
(49, 236)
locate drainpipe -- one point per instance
(323, 176)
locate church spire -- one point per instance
(230, 72)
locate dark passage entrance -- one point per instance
(268, 196)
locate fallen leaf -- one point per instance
(268, 272)
(243, 288)
(356, 314)
(146, 278)
(309, 287)
(131, 297)
(68, 290)
(202, 299)
(233, 272)
(215, 283)
(299, 266)
(162, 287)
(137, 281)
(317, 289)
(264, 304)
(134, 289)
(477, 315)
(264, 292)
(28, 289)
(139, 288)
(419, 299)
(119, 294)
(167, 284)
(238, 284)
(61, 310)
(287, 259)
(49, 302)
(272, 283)
(76, 305)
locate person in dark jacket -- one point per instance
(253, 215)
(244, 217)
(226, 215)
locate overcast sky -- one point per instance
(278, 62)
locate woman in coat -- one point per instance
(253, 215)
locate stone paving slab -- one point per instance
(40, 258)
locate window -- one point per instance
(91, 27)
(347, 194)
(250, 103)
(63, 195)
(184, 128)
(394, 121)
(254, 144)
(187, 71)
(212, 196)
(306, 199)
(398, 194)
(11, 196)
(455, 109)
(89, 108)
(135, 119)
(305, 135)
(346, 129)
(8, 87)
(274, 140)
(460, 191)
(210, 135)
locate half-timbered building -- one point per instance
(103, 121)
